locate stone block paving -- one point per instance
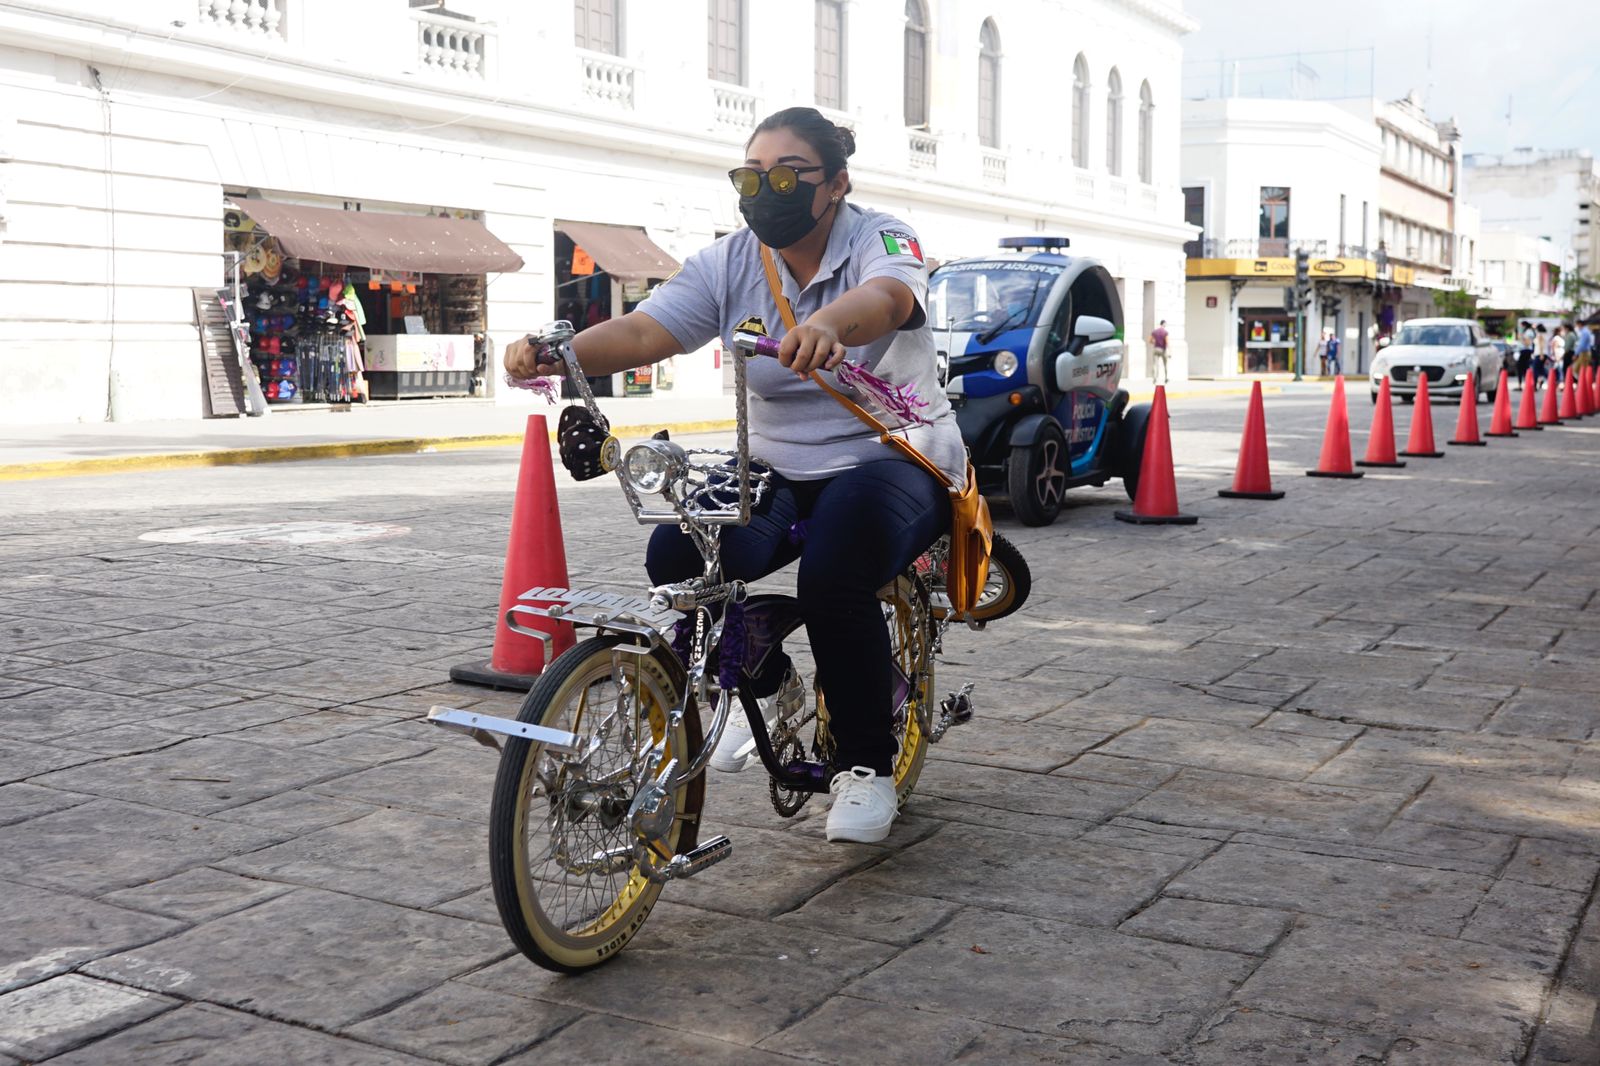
(1315, 781)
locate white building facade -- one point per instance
(124, 141)
(1265, 179)
(1521, 278)
(1418, 229)
(1549, 194)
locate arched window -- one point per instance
(989, 85)
(916, 57)
(1114, 123)
(1147, 133)
(1080, 112)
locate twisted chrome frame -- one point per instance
(705, 489)
(702, 490)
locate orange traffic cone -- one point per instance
(1380, 440)
(1335, 458)
(1156, 501)
(1548, 413)
(535, 558)
(1586, 391)
(1420, 443)
(1526, 417)
(1594, 379)
(1569, 400)
(1500, 421)
(1467, 420)
(1252, 479)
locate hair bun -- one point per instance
(847, 140)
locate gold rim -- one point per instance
(911, 655)
(581, 920)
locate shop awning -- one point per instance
(382, 241)
(625, 252)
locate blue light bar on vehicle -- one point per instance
(1041, 243)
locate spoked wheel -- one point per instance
(909, 616)
(1005, 589)
(569, 891)
(911, 624)
(1036, 477)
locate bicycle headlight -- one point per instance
(653, 465)
(1005, 364)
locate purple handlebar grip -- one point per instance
(767, 346)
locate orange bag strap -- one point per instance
(887, 436)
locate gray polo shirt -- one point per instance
(802, 431)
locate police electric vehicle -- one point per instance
(1030, 346)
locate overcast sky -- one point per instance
(1465, 56)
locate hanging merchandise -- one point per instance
(349, 304)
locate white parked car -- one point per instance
(1451, 352)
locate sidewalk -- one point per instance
(73, 449)
(64, 450)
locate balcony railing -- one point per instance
(1083, 184)
(732, 107)
(1253, 248)
(924, 148)
(452, 46)
(257, 18)
(994, 167)
(608, 79)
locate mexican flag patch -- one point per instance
(901, 244)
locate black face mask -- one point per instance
(779, 221)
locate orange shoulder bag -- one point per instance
(971, 527)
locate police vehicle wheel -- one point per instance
(1036, 477)
(1130, 446)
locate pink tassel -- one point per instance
(545, 387)
(899, 401)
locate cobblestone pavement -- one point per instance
(1314, 782)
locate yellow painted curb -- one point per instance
(287, 453)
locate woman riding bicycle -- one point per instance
(857, 282)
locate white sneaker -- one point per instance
(864, 806)
(738, 745)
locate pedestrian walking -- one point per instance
(1559, 357)
(1525, 352)
(1158, 349)
(1541, 349)
(1583, 346)
(1321, 354)
(1330, 354)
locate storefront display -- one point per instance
(604, 271)
(303, 338)
(347, 305)
(1266, 342)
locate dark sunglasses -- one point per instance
(781, 179)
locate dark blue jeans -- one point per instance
(862, 527)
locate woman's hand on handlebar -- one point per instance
(528, 358)
(810, 347)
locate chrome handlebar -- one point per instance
(697, 491)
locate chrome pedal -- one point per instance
(708, 854)
(955, 709)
